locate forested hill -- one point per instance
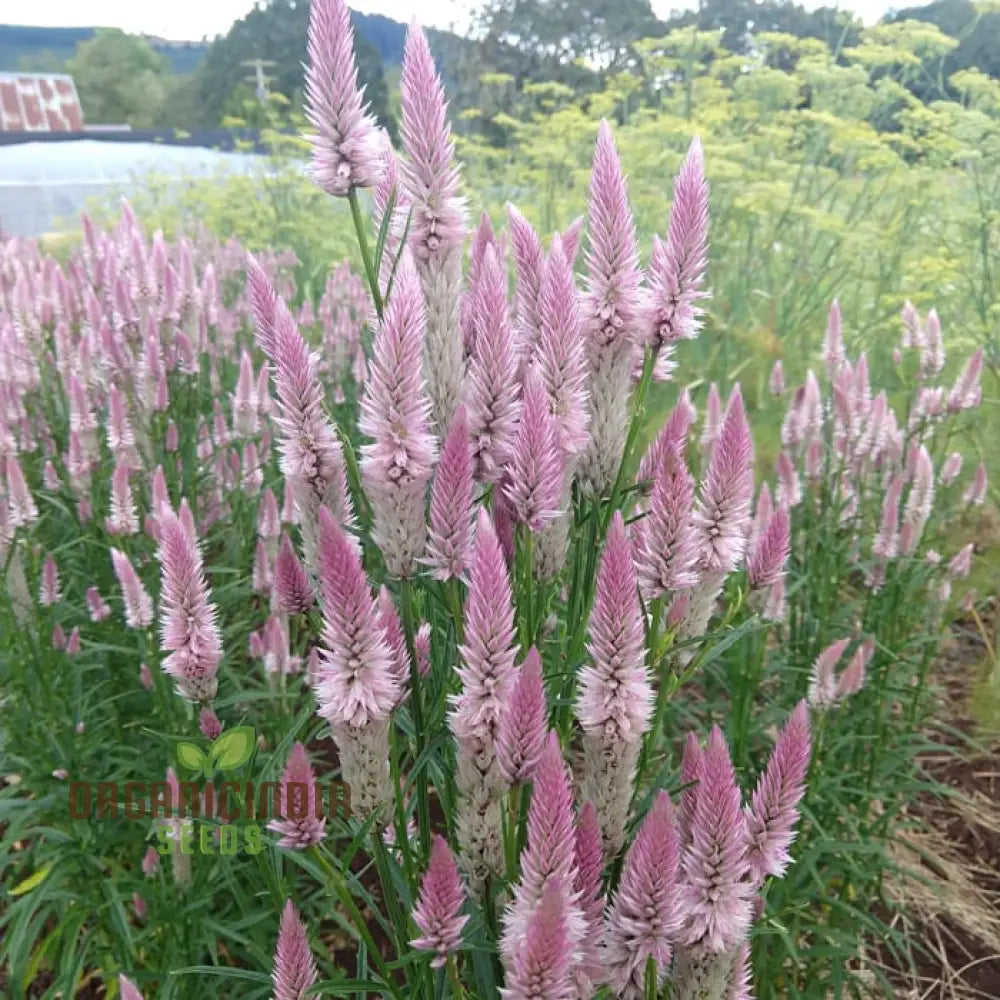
(46, 49)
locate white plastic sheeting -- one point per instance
(45, 185)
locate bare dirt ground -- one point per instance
(952, 890)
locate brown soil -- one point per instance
(953, 889)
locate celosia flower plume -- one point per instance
(396, 465)
(644, 917)
(773, 808)
(299, 825)
(344, 140)
(615, 701)
(610, 314)
(438, 913)
(188, 628)
(437, 221)
(524, 723)
(294, 966)
(449, 537)
(677, 266)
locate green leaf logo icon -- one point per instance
(191, 756)
(232, 748)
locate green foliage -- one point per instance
(276, 33)
(120, 79)
(274, 206)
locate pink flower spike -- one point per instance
(766, 564)
(722, 513)
(344, 144)
(539, 966)
(123, 519)
(395, 413)
(852, 679)
(613, 258)
(438, 913)
(833, 343)
(208, 723)
(776, 381)
(967, 393)
(492, 381)
(975, 494)
(886, 542)
(127, 990)
(422, 649)
(789, 492)
(150, 862)
(644, 918)
(962, 562)
(311, 458)
(822, 685)
(560, 351)
(692, 765)
(536, 467)
(430, 175)
(677, 267)
(449, 538)
(487, 656)
(21, 504)
(673, 436)
(96, 607)
(571, 239)
(268, 518)
(666, 546)
(712, 427)
(50, 591)
(589, 890)
(528, 263)
(357, 684)
(716, 898)
(523, 723)
(549, 857)
(293, 591)
(188, 628)
(611, 315)
(615, 691)
(918, 503)
(773, 810)
(73, 641)
(301, 823)
(394, 638)
(294, 966)
(261, 579)
(762, 512)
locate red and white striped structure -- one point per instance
(39, 102)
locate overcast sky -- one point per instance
(193, 19)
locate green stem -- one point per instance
(638, 412)
(342, 893)
(453, 978)
(416, 709)
(366, 253)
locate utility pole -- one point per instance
(259, 77)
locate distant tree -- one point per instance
(119, 78)
(543, 36)
(274, 31)
(977, 32)
(740, 20)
